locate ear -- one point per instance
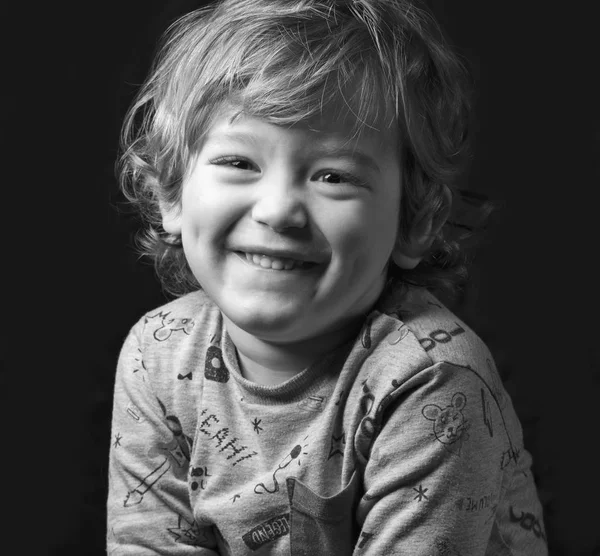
(431, 411)
(459, 400)
(408, 254)
(171, 217)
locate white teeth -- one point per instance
(273, 263)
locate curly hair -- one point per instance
(286, 62)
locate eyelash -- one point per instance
(344, 177)
(229, 160)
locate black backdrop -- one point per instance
(532, 295)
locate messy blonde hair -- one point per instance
(286, 62)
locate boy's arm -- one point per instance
(434, 479)
(148, 508)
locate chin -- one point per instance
(273, 326)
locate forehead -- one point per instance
(336, 129)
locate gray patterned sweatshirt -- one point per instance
(403, 441)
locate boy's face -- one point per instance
(289, 230)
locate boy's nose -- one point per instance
(280, 208)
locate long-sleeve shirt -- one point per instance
(402, 441)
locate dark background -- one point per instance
(532, 295)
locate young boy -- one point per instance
(306, 393)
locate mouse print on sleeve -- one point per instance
(449, 423)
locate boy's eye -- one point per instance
(338, 178)
(234, 162)
(332, 178)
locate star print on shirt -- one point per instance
(117, 441)
(187, 532)
(256, 424)
(420, 493)
(336, 445)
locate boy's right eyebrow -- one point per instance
(243, 137)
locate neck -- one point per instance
(272, 363)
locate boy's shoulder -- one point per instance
(441, 334)
(177, 318)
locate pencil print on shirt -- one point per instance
(168, 326)
(511, 453)
(136, 495)
(449, 423)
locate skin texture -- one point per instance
(307, 193)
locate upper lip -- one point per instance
(283, 253)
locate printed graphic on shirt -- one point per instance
(176, 451)
(364, 538)
(478, 504)
(367, 400)
(214, 366)
(398, 335)
(256, 424)
(180, 446)
(449, 424)
(496, 382)
(342, 397)
(312, 403)
(511, 453)
(140, 370)
(475, 504)
(261, 488)
(370, 425)
(421, 493)
(365, 336)
(167, 326)
(440, 336)
(199, 477)
(487, 414)
(187, 532)
(134, 413)
(445, 548)
(267, 532)
(117, 441)
(136, 496)
(221, 440)
(527, 521)
(337, 445)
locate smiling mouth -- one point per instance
(274, 263)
